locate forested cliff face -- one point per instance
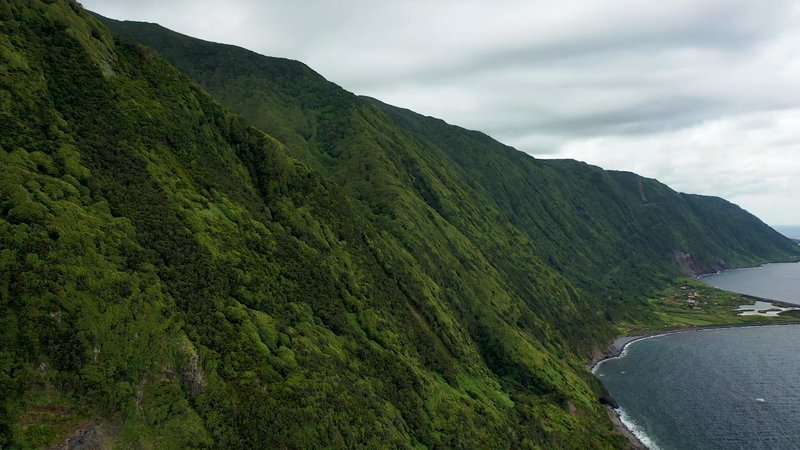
(343, 274)
(611, 233)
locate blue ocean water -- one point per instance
(736, 388)
(771, 281)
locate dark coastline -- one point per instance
(620, 428)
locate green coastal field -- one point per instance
(691, 303)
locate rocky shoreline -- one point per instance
(620, 428)
(612, 408)
(619, 345)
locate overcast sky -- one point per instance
(703, 95)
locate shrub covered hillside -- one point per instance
(614, 235)
(171, 277)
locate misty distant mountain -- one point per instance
(790, 231)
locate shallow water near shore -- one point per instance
(730, 388)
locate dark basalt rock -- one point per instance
(607, 399)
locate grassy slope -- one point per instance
(171, 278)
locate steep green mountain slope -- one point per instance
(359, 277)
(615, 235)
(171, 278)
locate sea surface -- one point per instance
(779, 281)
(733, 388)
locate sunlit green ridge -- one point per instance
(358, 276)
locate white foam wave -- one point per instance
(636, 430)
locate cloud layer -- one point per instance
(703, 95)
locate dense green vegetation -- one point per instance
(358, 276)
(614, 235)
